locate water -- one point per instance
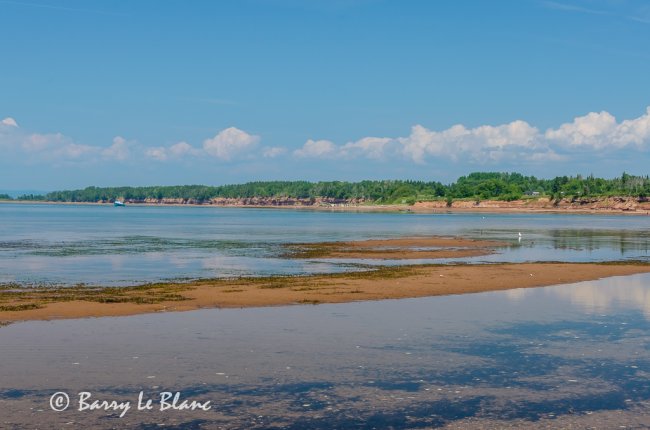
(556, 357)
(103, 245)
(570, 355)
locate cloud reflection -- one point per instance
(601, 296)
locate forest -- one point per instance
(478, 186)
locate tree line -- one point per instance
(478, 185)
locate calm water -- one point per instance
(69, 244)
(572, 354)
(565, 356)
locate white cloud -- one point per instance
(370, 147)
(51, 147)
(18, 144)
(74, 150)
(230, 142)
(273, 151)
(42, 147)
(175, 151)
(479, 144)
(119, 150)
(10, 122)
(602, 131)
(592, 129)
(549, 155)
(317, 149)
(57, 147)
(517, 141)
(43, 142)
(516, 133)
(156, 152)
(182, 148)
(422, 141)
(634, 131)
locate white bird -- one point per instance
(519, 234)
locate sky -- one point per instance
(112, 93)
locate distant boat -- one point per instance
(118, 203)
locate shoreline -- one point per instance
(487, 207)
(381, 284)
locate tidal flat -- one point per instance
(571, 355)
(90, 294)
(396, 282)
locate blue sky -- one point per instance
(174, 92)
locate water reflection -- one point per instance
(603, 296)
(584, 239)
(67, 244)
(553, 355)
(589, 239)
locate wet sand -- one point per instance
(407, 248)
(384, 283)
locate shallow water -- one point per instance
(543, 355)
(104, 245)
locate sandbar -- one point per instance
(383, 283)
